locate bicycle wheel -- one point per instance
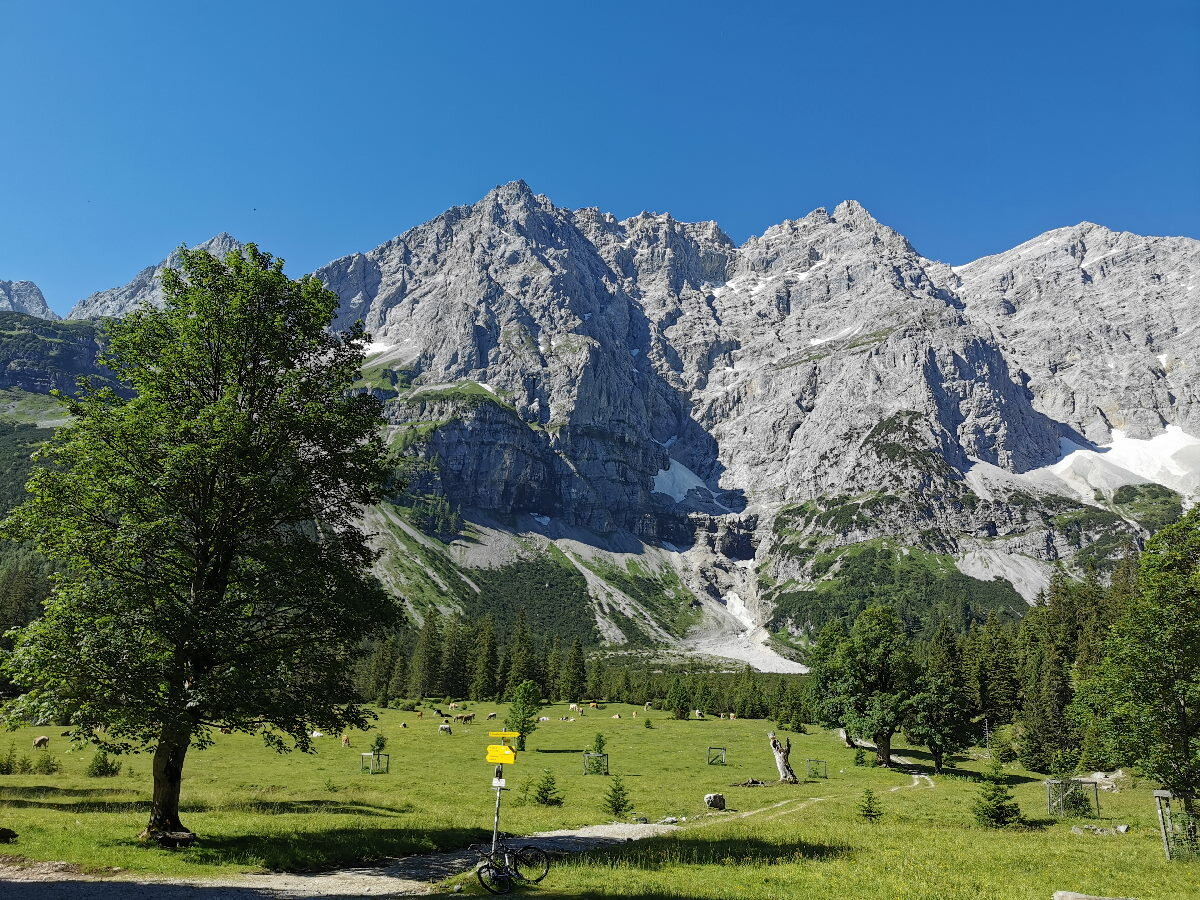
(531, 863)
(494, 879)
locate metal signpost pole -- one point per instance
(498, 781)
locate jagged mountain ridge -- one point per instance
(753, 409)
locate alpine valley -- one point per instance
(649, 436)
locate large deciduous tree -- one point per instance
(939, 714)
(211, 570)
(1148, 687)
(875, 678)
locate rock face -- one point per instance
(649, 376)
(751, 411)
(145, 286)
(24, 297)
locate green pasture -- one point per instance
(256, 810)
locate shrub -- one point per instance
(405, 705)
(378, 744)
(46, 765)
(860, 757)
(648, 724)
(598, 744)
(616, 802)
(869, 807)
(546, 792)
(102, 767)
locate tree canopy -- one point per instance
(211, 572)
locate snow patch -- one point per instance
(738, 609)
(1171, 458)
(634, 352)
(541, 520)
(676, 480)
(486, 387)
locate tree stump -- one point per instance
(782, 752)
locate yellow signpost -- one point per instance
(501, 754)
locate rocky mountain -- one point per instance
(715, 436)
(145, 286)
(24, 297)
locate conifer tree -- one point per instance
(523, 713)
(616, 801)
(521, 664)
(996, 807)
(398, 683)
(572, 678)
(425, 668)
(484, 664)
(677, 699)
(454, 659)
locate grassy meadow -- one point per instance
(256, 810)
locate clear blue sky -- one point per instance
(319, 129)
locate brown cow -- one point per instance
(345, 740)
(420, 713)
(41, 743)
(593, 705)
(468, 718)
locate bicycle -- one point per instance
(500, 867)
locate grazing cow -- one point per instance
(420, 713)
(733, 715)
(345, 740)
(403, 724)
(720, 715)
(635, 713)
(593, 705)
(226, 731)
(41, 743)
(647, 704)
(444, 728)
(454, 706)
(616, 715)
(468, 718)
(570, 720)
(574, 707)
(491, 715)
(316, 734)
(543, 718)
(439, 712)
(699, 715)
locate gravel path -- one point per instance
(411, 876)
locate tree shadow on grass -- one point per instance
(37, 790)
(320, 851)
(580, 750)
(262, 807)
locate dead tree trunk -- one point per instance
(782, 751)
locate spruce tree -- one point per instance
(484, 662)
(453, 680)
(425, 668)
(545, 791)
(869, 807)
(398, 683)
(995, 807)
(521, 663)
(677, 699)
(616, 801)
(523, 713)
(572, 677)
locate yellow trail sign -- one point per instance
(498, 753)
(503, 734)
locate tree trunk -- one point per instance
(883, 748)
(850, 745)
(938, 759)
(172, 747)
(782, 751)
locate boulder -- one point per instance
(7, 836)
(714, 801)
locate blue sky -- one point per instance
(320, 129)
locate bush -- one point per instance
(405, 705)
(46, 765)
(11, 764)
(378, 744)
(598, 744)
(102, 767)
(546, 792)
(860, 757)
(616, 802)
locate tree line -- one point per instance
(1094, 676)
